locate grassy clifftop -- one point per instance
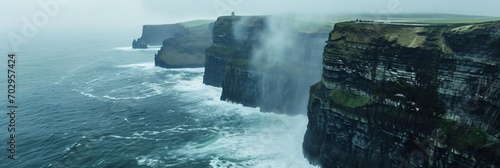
(408, 35)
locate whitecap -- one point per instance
(144, 65)
(217, 163)
(88, 94)
(150, 161)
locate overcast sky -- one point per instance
(138, 12)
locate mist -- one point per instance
(127, 17)
(114, 13)
(288, 52)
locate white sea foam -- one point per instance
(151, 65)
(209, 96)
(252, 148)
(144, 65)
(120, 137)
(129, 48)
(132, 137)
(146, 133)
(273, 141)
(150, 161)
(190, 70)
(87, 94)
(216, 162)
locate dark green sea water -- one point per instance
(89, 100)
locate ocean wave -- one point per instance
(227, 134)
(129, 48)
(151, 66)
(246, 136)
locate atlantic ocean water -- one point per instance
(86, 99)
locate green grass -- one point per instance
(455, 20)
(347, 99)
(474, 137)
(194, 23)
(461, 136)
(446, 125)
(200, 37)
(405, 36)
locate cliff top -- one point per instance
(299, 23)
(405, 34)
(194, 23)
(187, 24)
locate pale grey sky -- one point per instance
(84, 13)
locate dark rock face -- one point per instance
(225, 47)
(214, 70)
(253, 75)
(407, 96)
(273, 90)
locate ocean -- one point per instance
(86, 99)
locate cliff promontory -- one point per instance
(155, 34)
(225, 46)
(187, 50)
(264, 61)
(407, 95)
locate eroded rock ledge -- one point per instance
(391, 94)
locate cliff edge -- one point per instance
(404, 95)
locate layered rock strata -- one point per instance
(399, 95)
